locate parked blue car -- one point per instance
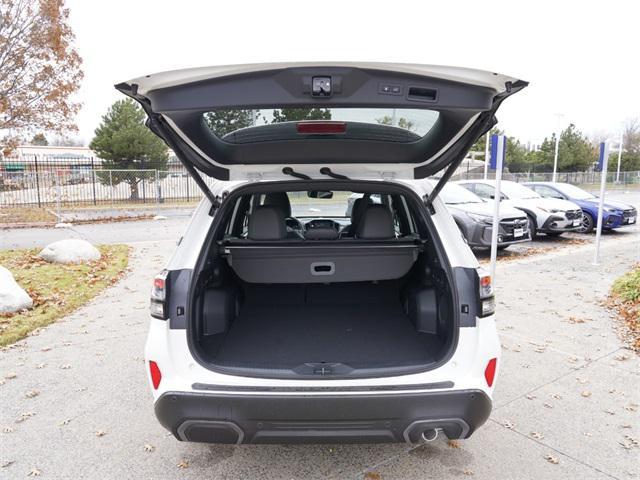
(614, 215)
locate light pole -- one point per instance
(555, 156)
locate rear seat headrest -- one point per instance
(357, 207)
(267, 222)
(278, 199)
(376, 223)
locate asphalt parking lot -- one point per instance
(566, 402)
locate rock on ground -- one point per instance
(12, 297)
(72, 250)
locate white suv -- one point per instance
(546, 215)
(279, 318)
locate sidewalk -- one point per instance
(566, 391)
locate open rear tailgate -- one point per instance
(362, 120)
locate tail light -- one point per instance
(486, 297)
(158, 305)
(490, 371)
(156, 375)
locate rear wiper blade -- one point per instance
(327, 171)
(293, 173)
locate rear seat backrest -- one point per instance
(376, 223)
(267, 222)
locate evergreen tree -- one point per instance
(124, 143)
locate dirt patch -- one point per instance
(511, 255)
(10, 215)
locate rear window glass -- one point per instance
(394, 124)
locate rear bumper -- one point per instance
(366, 418)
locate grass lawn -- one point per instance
(56, 289)
(25, 215)
(625, 298)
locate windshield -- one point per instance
(514, 190)
(453, 194)
(415, 122)
(572, 191)
(302, 205)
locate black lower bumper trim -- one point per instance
(365, 418)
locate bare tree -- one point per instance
(631, 136)
(39, 69)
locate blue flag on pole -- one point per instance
(603, 152)
(498, 150)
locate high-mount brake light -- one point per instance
(157, 307)
(486, 296)
(321, 128)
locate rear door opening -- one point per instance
(348, 286)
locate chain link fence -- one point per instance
(583, 179)
(72, 182)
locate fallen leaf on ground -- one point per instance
(467, 471)
(32, 393)
(453, 444)
(586, 394)
(11, 375)
(537, 435)
(183, 464)
(551, 459)
(372, 476)
(100, 433)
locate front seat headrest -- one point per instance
(267, 222)
(376, 223)
(279, 199)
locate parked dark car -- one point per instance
(474, 218)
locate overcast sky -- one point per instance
(581, 58)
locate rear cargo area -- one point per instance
(357, 325)
(367, 297)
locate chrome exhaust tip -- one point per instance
(430, 435)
